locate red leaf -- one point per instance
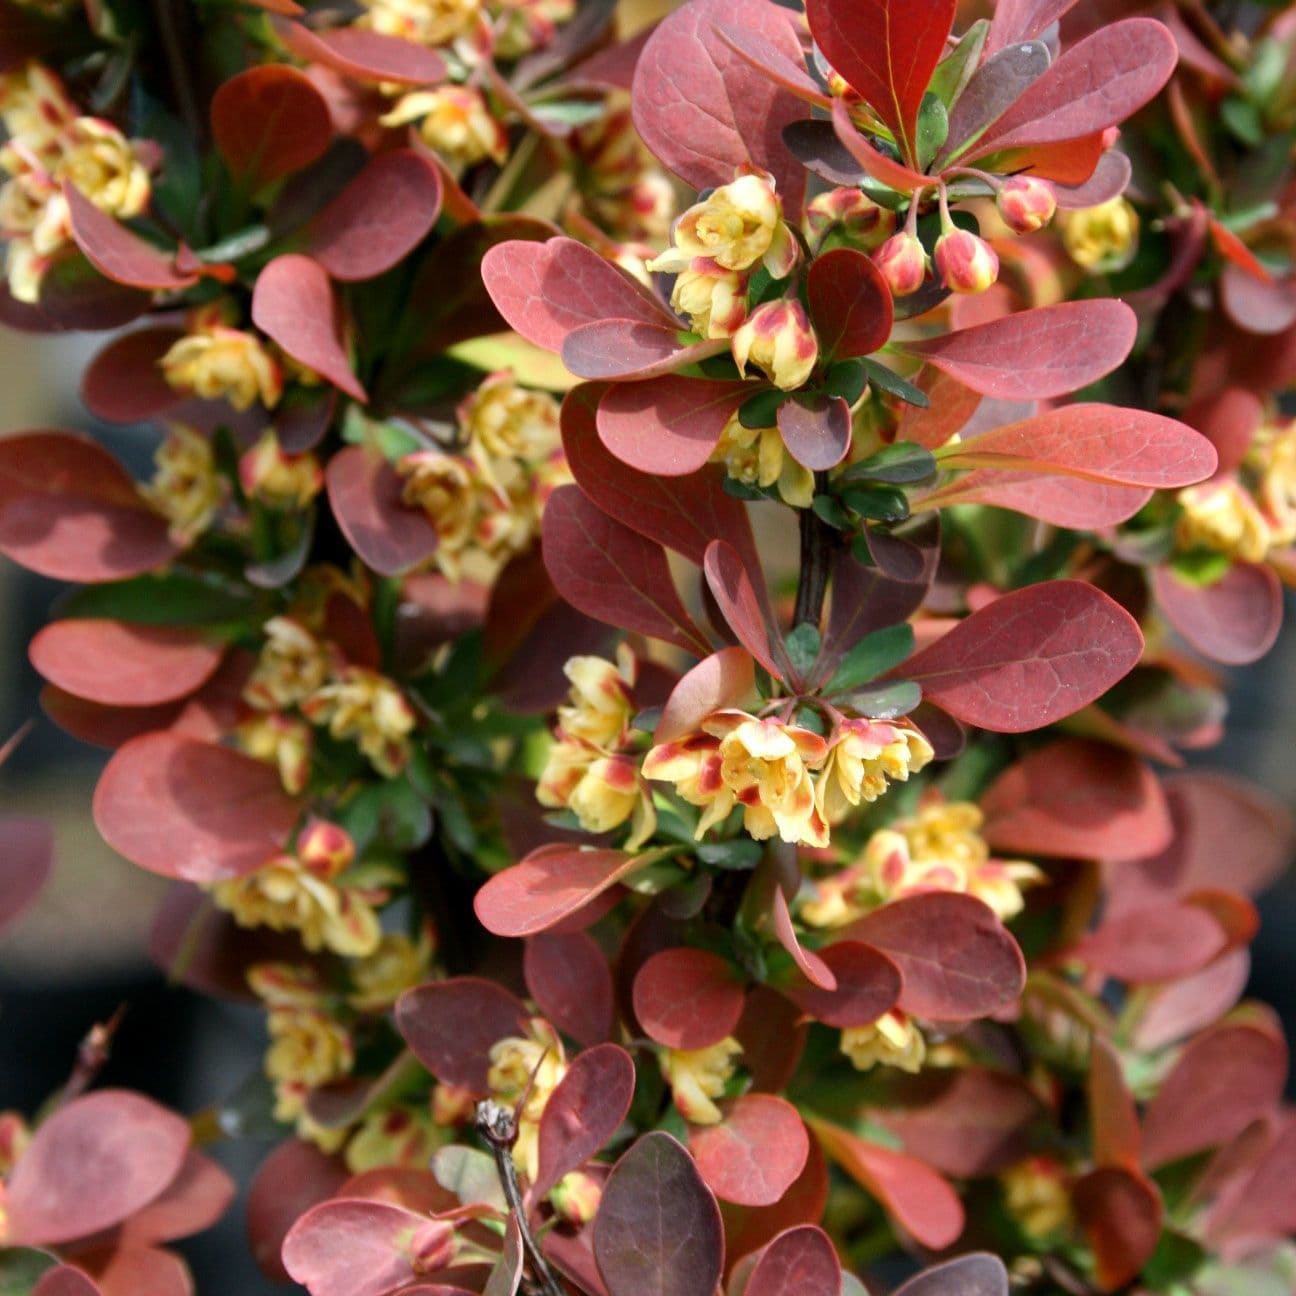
(799, 1262)
(627, 349)
(668, 426)
(194, 1200)
(704, 110)
(1080, 799)
(451, 1026)
(956, 960)
(612, 573)
(850, 304)
(584, 1111)
(545, 290)
(348, 1247)
(970, 1275)
(115, 252)
(1097, 442)
(1229, 419)
(1225, 1079)
(816, 430)
(190, 809)
(293, 303)
(919, 1199)
(1071, 502)
(1023, 20)
(744, 609)
(993, 88)
(550, 884)
(772, 1032)
(569, 979)
(1257, 305)
(1113, 1117)
(364, 492)
(778, 64)
(27, 848)
(1110, 179)
(1236, 620)
(687, 998)
(293, 1178)
(1193, 1002)
(1155, 944)
(808, 963)
(364, 55)
(379, 218)
(64, 1280)
(1073, 162)
(124, 383)
(887, 50)
(658, 1231)
(755, 1154)
(119, 664)
(880, 166)
(1120, 1212)
(1034, 354)
(685, 513)
(92, 1164)
(748, 1228)
(722, 680)
(1096, 83)
(868, 984)
(1029, 658)
(268, 122)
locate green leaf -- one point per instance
(877, 503)
(1176, 1259)
(568, 112)
(391, 812)
(933, 128)
(891, 383)
(1243, 120)
(21, 1267)
(761, 410)
(901, 464)
(847, 379)
(874, 655)
(955, 70)
(886, 701)
(1201, 567)
(176, 598)
(470, 1174)
(740, 853)
(803, 644)
(743, 490)
(830, 511)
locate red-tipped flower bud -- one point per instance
(325, 848)
(904, 264)
(777, 338)
(1026, 204)
(965, 263)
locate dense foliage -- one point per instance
(659, 648)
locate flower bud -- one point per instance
(964, 262)
(777, 338)
(904, 264)
(713, 298)
(325, 848)
(576, 1197)
(861, 220)
(1026, 204)
(278, 479)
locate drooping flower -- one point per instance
(758, 457)
(216, 361)
(735, 226)
(698, 1076)
(714, 299)
(292, 664)
(964, 262)
(865, 756)
(892, 1040)
(283, 741)
(280, 480)
(1037, 1195)
(851, 215)
(501, 420)
(1102, 239)
(904, 264)
(454, 120)
(1026, 203)
(186, 488)
(395, 965)
(778, 339)
(361, 705)
(525, 25)
(1222, 515)
(600, 703)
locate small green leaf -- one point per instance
(172, 599)
(874, 655)
(830, 511)
(761, 410)
(21, 1268)
(877, 503)
(743, 490)
(847, 379)
(901, 464)
(955, 70)
(569, 112)
(885, 701)
(891, 383)
(1201, 567)
(803, 644)
(391, 812)
(933, 128)
(740, 853)
(1243, 119)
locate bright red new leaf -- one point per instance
(687, 998)
(268, 122)
(1113, 1118)
(755, 1154)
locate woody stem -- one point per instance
(816, 560)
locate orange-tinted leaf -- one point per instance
(1071, 502)
(745, 611)
(872, 161)
(1120, 1212)
(1114, 1124)
(550, 884)
(748, 1228)
(755, 1154)
(687, 998)
(268, 122)
(584, 1111)
(64, 1280)
(451, 1025)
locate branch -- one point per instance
(817, 541)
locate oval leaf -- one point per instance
(364, 55)
(850, 304)
(349, 1247)
(724, 679)
(118, 254)
(667, 426)
(268, 122)
(364, 492)
(124, 383)
(1120, 1212)
(687, 998)
(1236, 620)
(868, 984)
(568, 977)
(451, 1026)
(816, 430)
(799, 1262)
(755, 1154)
(628, 349)
(1155, 944)
(971, 1275)
(550, 884)
(738, 599)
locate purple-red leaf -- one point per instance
(91, 1165)
(268, 122)
(293, 303)
(957, 961)
(1153, 944)
(887, 50)
(364, 55)
(1029, 658)
(722, 680)
(816, 430)
(629, 349)
(995, 86)
(119, 664)
(364, 491)
(1236, 620)
(1064, 501)
(584, 1111)
(970, 1275)
(379, 218)
(1113, 1118)
(124, 382)
(850, 304)
(687, 998)
(568, 977)
(868, 984)
(612, 573)
(549, 885)
(704, 110)
(808, 963)
(1023, 20)
(755, 1154)
(451, 1025)
(351, 1247)
(1034, 354)
(546, 290)
(670, 425)
(658, 1230)
(1120, 1212)
(293, 1178)
(745, 611)
(27, 848)
(799, 1262)
(192, 810)
(118, 254)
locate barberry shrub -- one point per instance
(661, 640)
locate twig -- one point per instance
(816, 558)
(498, 1126)
(92, 1055)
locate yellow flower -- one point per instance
(278, 479)
(446, 489)
(1037, 1196)
(576, 1197)
(892, 1040)
(186, 488)
(518, 1064)
(287, 985)
(452, 1106)
(454, 120)
(777, 338)
(291, 666)
(307, 1045)
(36, 112)
(396, 964)
(363, 705)
(865, 754)
(15, 1135)
(1273, 457)
(285, 896)
(100, 162)
(1102, 239)
(600, 706)
(736, 226)
(526, 25)
(758, 457)
(427, 22)
(501, 420)
(280, 740)
(836, 900)
(215, 361)
(399, 1136)
(697, 1076)
(620, 183)
(713, 298)
(1222, 515)
(762, 765)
